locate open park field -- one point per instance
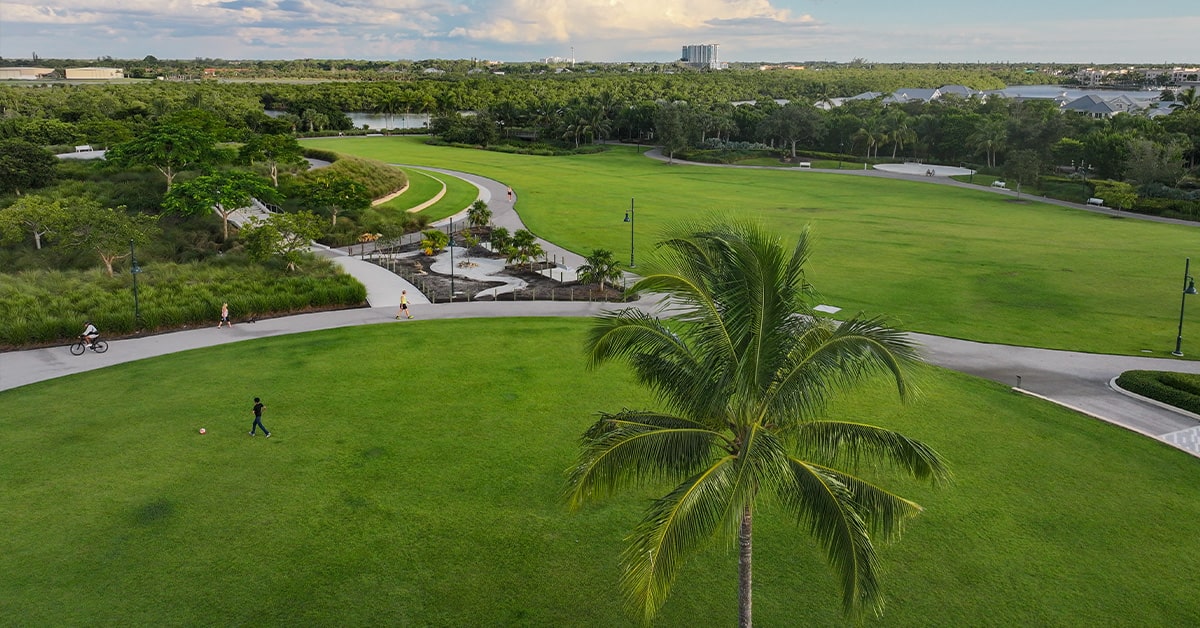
(938, 259)
(414, 474)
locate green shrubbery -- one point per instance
(1181, 390)
(44, 307)
(379, 178)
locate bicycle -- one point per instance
(99, 346)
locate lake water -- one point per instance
(379, 120)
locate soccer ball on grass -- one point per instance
(201, 430)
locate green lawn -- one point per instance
(414, 473)
(426, 185)
(955, 262)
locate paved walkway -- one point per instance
(1080, 381)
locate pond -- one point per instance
(378, 120)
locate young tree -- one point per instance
(222, 192)
(37, 215)
(287, 235)
(273, 150)
(106, 231)
(745, 373)
(334, 193)
(673, 125)
(1023, 166)
(599, 267)
(24, 165)
(168, 148)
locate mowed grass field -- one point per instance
(414, 474)
(425, 186)
(951, 261)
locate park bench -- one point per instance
(999, 184)
(1095, 201)
(84, 149)
(806, 164)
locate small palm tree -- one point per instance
(745, 373)
(500, 239)
(599, 267)
(479, 215)
(434, 240)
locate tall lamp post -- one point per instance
(629, 219)
(134, 270)
(841, 152)
(1189, 287)
(451, 259)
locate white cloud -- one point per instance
(534, 21)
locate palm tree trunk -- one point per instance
(744, 552)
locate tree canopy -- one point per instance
(745, 373)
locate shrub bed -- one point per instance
(48, 307)
(1181, 390)
(538, 148)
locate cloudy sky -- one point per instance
(1069, 31)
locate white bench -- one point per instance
(84, 149)
(999, 184)
(1095, 201)
(806, 164)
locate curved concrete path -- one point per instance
(1080, 381)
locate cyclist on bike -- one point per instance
(89, 334)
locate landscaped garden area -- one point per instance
(949, 261)
(414, 476)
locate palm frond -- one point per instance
(633, 448)
(707, 506)
(883, 511)
(825, 359)
(687, 381)
(824, 503)
(841, 443)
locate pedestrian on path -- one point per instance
(258, 410)
(510, 195)
(403, 305)
(224, 316)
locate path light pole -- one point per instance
(1189, 287)
(629, 219)
(451, 259)
(134, 270)
(841, 151)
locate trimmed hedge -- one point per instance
(1181, 390)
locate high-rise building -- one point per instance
(701, 56)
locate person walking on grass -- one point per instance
(258, 410)
(403, 305)
(224, 316)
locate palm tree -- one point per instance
(990, 137)
(478, 214)
(745, 372)
(899, 131)
(599, 267)
(1187, 99)
(871, 134)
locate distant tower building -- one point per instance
(701, 56)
